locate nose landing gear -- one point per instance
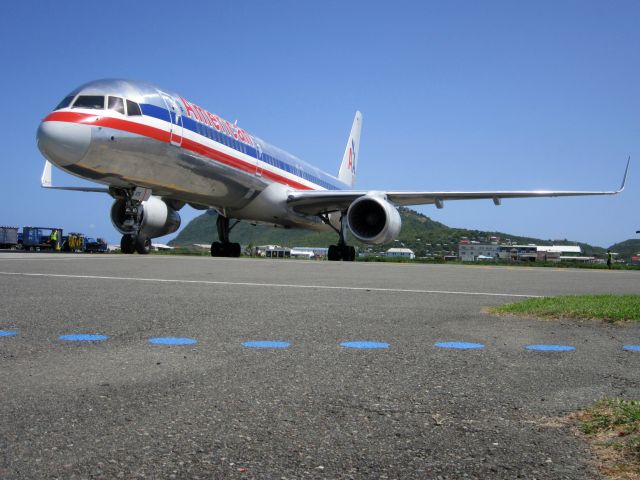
(135, 242)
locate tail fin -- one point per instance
(347, 173)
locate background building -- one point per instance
(469, 252)
(400, 253)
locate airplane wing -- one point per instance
(326, 201)
(45, 182)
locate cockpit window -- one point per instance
(116, 103)
(65, 103)
(133, 108)
(89, 101)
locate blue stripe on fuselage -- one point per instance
(209, 132)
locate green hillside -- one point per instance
(419, 233)
(627, 248)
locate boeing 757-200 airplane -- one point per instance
(154, 152)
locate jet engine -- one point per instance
(372, 219)
(156, 218)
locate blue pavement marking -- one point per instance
(265, 344)
(460, 345)
(364, 345)
(551, 348)
(172, 341)
(83, 337)
(632, 348)
(8, 333)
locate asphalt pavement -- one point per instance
(204, 402)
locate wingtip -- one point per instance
(624, 178)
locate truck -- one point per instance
(39, 238)
(8, 237)
(95, 245)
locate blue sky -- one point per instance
(459, 95)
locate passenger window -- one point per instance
(64, 103)
(133, 108)
(116, 104)
(95, 102)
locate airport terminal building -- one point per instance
(475, 251)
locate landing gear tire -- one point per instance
(350, 253)
(225, 249)
(341, 252)
(128, 243)
(143, 244)
(334, 254)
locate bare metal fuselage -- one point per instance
(188, 165)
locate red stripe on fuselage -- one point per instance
(164, 136)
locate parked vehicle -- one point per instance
(95, 245)
(40, 238)
(74, 242)
(8, 237)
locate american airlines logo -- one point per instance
(351, 164)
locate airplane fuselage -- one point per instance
(129, 134)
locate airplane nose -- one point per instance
(63, 143)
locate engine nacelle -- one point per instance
(372, 219)
(156, 218)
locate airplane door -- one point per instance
(259, 167)
(176, 120)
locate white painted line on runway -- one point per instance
(277, 285)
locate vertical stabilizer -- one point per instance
(347, 173)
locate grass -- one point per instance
(612, 427)
(609, 308)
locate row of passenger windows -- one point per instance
(295, 170)
(97, 102)
(213, 134)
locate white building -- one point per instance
(310, 252)
(273, 251)
(400, 253)
(306, 254)
(470, 252)
(157, 247)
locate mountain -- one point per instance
(419, 233)
(627, 248)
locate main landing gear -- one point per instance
(341, 251)
(224, 248)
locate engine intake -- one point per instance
(372, 219)
(156, 218)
